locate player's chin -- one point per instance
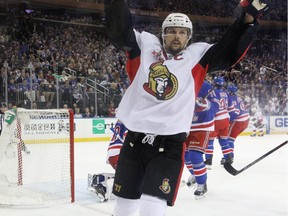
(175, 49)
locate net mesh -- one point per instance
(36, 159)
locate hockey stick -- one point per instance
(229, 168)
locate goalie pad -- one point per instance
(255, 8)
(100, 186)
(7, 138)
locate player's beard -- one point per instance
(174, 51)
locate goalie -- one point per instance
(100, 185)
(11, 133)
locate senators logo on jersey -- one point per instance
(165, 187)
(162, 84)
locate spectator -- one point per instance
(101, 111)
(92, 111)
(50, 91)
(77, 113)
(12, 90)
(87, 113)
(66, 92)
(53, 48)
(111, 110)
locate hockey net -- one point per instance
(37, 158)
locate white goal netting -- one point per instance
(37, 158)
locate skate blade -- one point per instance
(182, 184)
(200, 197)
(209, 167)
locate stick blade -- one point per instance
(229, 168)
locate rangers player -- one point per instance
(221, 124)
(239, 115)
(100, 184)
(197, 141)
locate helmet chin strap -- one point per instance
(187, 41)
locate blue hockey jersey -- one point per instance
(205, 109)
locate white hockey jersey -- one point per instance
(161, 97)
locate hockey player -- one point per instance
(10, 123)
(166, 75)
(258, 122)
(197, 140)
(116, 142)
(221, 124)
(238, 111)
(100, 185)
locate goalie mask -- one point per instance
(177, 20)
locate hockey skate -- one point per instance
(253, 135)
(208, 163)
(191, 182)
(222, 161)
(200, 191)
(261, 135)
(228, 160)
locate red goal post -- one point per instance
(37, 157)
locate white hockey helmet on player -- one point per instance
(177, 20)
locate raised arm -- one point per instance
(119, 24)
(237, 40)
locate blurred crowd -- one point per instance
(216, 8)
(66, 61)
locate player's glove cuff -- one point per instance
(255, 8)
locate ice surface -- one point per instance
(260, 190)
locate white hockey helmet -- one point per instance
(177, 20)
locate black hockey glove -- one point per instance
(255, 8)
